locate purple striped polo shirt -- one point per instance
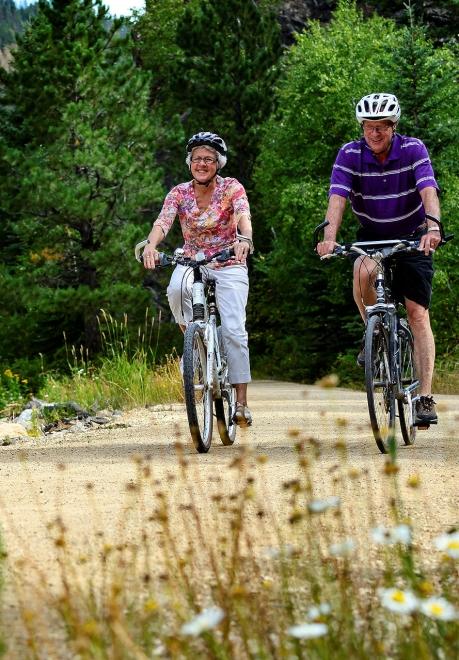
(384, 196)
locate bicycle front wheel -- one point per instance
(380, 396)
(408, 382)
(225, 407)
(198, 393)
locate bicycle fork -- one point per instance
(205, 315)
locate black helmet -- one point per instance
(206, 139)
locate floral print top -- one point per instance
(211, 229)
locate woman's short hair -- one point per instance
(221, 160)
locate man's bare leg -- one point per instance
(363, 287)
(424, 344)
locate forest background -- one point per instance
(94, 116)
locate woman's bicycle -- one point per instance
(205, 369)
(390, 374)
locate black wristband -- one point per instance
(431, 217)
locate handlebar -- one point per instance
(199, 259)
(385, 248)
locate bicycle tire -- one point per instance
(226, 405)
(407, 378)
(198, 396)
(380, 395)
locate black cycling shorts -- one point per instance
(412, 272)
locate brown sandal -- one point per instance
(242, 416)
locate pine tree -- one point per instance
(226, 73)
(13, 20)
(65, 37)
(425, 81)
(76, 202)
(441, 19)
(302, 307)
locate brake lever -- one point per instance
(225, 254)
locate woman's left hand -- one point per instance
(241, 251)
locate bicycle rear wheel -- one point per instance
(407, 380)
(226, 406)
(380, 396)
(198, 395)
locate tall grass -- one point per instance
(238, 568)
(126, 376)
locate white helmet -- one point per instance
(378, 106)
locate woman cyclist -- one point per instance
(214, 213)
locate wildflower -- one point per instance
(438, 608)
(318, 506)
(343, 549)
(318, 611)
(391, 535)
(308, 630)
(208, 619)
(414, 481)
(283, 551)
(449, 544)
(267, 582)
(396, 600)
(328, 382)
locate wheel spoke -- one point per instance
(226, 405)
(409, 384)
(380, 396)
(198, 397)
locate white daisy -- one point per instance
(449, 544)
(308, 630)
(282, 551)
(396, 600)
(438, 608)
(343, 549)
(318, 506)
(319, 610)
(206, 620)
(391, 535)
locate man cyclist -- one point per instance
(392, 190)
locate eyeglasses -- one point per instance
(207, 160)
(376, 129)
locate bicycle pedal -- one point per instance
(422, 426)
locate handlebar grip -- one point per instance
(315, 238)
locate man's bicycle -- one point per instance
(390, 374)
(205, 368)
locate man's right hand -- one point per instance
(150, 257)
(326, 247)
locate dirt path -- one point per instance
(45, 478)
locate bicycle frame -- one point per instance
(387, 311)
(205, 376)
(205, 314)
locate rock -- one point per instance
(39, 404)
(26, 418)
(67, 406)
(11, 431)
(100, 420)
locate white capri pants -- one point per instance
(232, 291)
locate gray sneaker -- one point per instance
(242, 416)
(425, 410)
